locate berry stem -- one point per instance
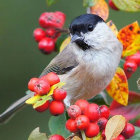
(64, 30)
(83, 135)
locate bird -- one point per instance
(87, 64)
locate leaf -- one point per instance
(88, 3)
(112, 27)
(114, 126)
(36, 135)
(137, 134)
(33, 99)
(57, 125)
(41, 102)
(130, 38)
(118, 87)
(131, 111)
(127, 5)
(101, 9)
(65, 43)
(50, 2)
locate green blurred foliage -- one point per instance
(20, 59)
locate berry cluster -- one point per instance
(88, 117)
(92, 119)
(41, 86)
(52, 22)
(131, 64)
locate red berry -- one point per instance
(112, 5)
(56, 137)
(39, 34)
(74, 111)
(56, 108)
(71, 125)
(52, 78)
(104, 111)
(46, 45)
(128, 130)
(82, 122)
(83, 104)
(63, 16)
(92, 112)
(43, 107)
(53, 20)
(120, 137)
(130, 66)
(31, 83)
(137, 123)
(135, 57)
(92, 130)
(59, 94)
(50, 32)
(102, 123)
(42, 87)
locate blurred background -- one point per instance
(20, 58)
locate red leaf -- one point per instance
(131, 110)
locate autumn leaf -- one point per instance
(113, 27)
(114, 126)
(131, 111)
(127, 5)
(130, 38)
(101, 9)
(33, 99)
(118, 87)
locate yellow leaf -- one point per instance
(112, 27)
(114, 126)
(118, 87)
(42, 101)
(65, 43)
(33, 99)
(101, 9)
(58, 85)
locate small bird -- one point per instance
(86, 65)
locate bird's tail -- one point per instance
(12, 109)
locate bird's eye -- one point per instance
(90, 27)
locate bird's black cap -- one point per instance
(84, 23)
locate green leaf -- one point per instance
(89, 3)
(101, 99)
(50, 2)
(57, 125)
(127, 5)
(36, 135)
(137, 134)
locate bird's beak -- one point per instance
(76, 37)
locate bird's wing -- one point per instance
(62, 63)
